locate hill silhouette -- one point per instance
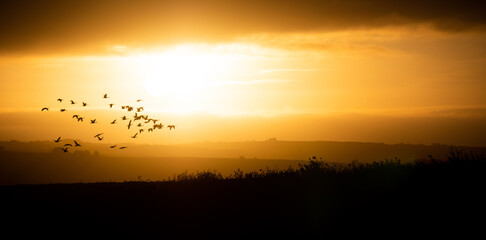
(317, 199)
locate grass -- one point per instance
(386, 198)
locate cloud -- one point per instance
(72, 27)
(253, 82)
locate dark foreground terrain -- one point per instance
(388, 199)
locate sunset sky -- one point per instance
(380, 71)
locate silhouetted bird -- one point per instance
(139, 125)
(68, 144)
(114, 146)
(47, 109)
(111, 105)
(140, 130)
(97, 135)
(63, 110)
(150, 129)
(59, 99)
(129, 109)
(76, 144)
(134, 136)
(171, 127)
(105, 96)
(64, 149)
(123, 107)
(76, 116)
(72, 102)
(314, 157)
(80, 119)
(139, 109)
(57, 140)
(100, 138)
(123, 147)
(84, 104)
(129, 124)
(124, 118)
(139, 100)
(114, 121)
(93, 121)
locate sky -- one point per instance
(381, 71)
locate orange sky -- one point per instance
(212, 67)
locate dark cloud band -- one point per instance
(63, 25)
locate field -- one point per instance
(385, 198)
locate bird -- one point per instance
(134, 136)
(100, 138)
(64, 149)
(76, 144)
(124, 118)
(139, 100)
(139, 109)
(139, 125)
(171, 127)
(80, 119)
(84, 104)
(150, 129)
(46, 108)
(97, 135)
(129, 109)
(129, 124)
(123, 107)
(59, 99)
(111, 105)
(114, 121)
(72, 102)
(314, 157)
(105, 96)
(114, 146)
(63, 110)
(123, 147)
(57, 140)
(68, 144)
(76, 116)
(140, 130)
(93, 121)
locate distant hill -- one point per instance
(270, 149)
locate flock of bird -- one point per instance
(131, 122)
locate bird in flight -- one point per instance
(63, 110)
(100, 138)
(123, 147)
(124, 118)
(114, 146)
(105, 96)
(76, 144)
(57, 140)
(139, 125)
(129, 124)
(140, 130)
(139, 109)
(84, 104)
(139, 100)
(68, 144)
(111, 105)
(171, 127)
(97, 135)
(80, 119)
(93, 121)
(72, 102)
(64, 149)
(46, 108)
(76, 116)
(59, 99)
(114, 121)
(134, 136)
(150, 129)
